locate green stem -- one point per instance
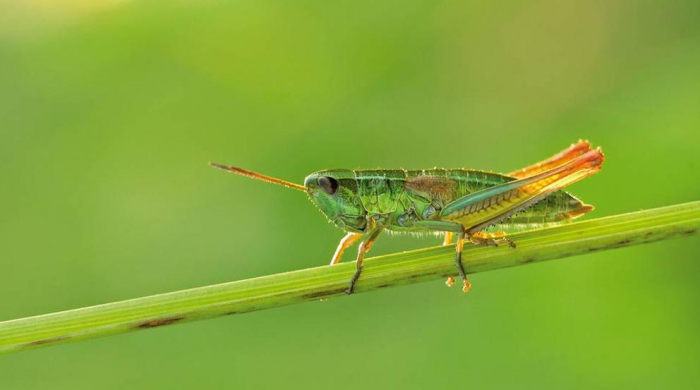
(324, 282)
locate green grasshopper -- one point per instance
(461, 202)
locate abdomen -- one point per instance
(440, 187)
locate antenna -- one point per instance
(259, 176)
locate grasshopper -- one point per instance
(450, 202)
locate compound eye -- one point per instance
(328, 184)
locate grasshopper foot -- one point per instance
(489, 239)
(467, 285)
(460, 267)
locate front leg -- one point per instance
(345, 242)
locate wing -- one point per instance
(558, 159)
(491, 205)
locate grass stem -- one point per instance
(325, 282)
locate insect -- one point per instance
(461, 203)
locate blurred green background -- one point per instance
(110, 110)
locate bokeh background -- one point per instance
(110, 110)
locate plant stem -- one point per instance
(324, 282)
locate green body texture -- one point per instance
(402, 199)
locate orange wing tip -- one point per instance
(593, 158)
(581, 144)
(577, 149)
(574, 151)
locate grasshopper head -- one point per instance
(335, 193)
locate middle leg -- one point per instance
(448, 240)
(451, 229)
(364, 248)
(467, 285)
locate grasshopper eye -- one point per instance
(328, 184)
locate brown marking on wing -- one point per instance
(433, 185)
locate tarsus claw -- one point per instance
(467, 286)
